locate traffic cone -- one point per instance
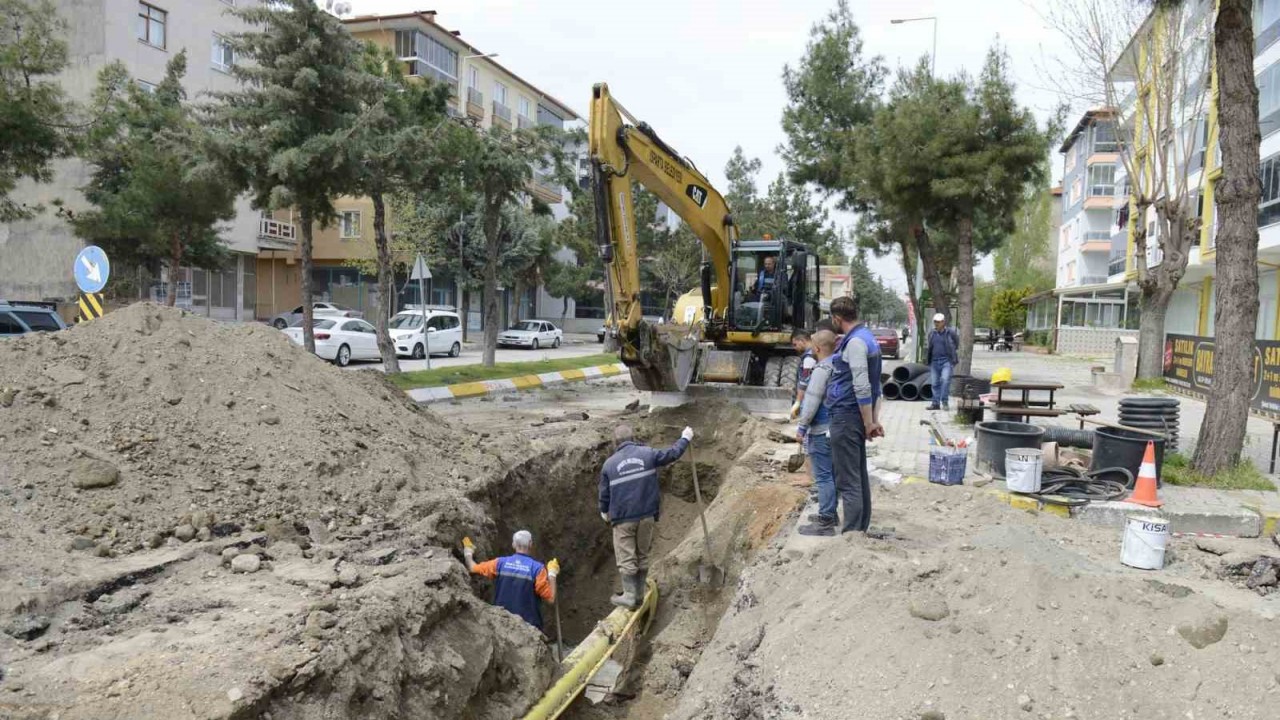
(1144, 490)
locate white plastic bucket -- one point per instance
(1022, 469)
(1145, 539)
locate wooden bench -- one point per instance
(1082, 411)
(1025, 412)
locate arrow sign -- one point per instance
(420, 270)
(91, 269)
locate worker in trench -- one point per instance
(630, 502)
(519, 580)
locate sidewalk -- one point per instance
(903, 454)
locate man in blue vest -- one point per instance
(519, 580)
(942, 351)
(630, 502)
(853, 399)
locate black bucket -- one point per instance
(1113, 447)
(996, 437)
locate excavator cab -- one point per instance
(775, 287)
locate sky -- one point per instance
(708, 75)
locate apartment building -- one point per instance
(1088, 232)
(482, 89)
(36, 255)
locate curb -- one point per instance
(426, 396)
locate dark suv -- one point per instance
(20, 318)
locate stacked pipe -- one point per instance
(1152, 413)
(910, 382)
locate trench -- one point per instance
(553, 495)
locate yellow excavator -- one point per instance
(736, 328)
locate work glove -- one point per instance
(687, 434)
(795, 411)
(604, 516)
(468, 547)
(553, 568)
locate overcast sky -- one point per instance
(708, 75)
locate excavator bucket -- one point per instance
(666, 361)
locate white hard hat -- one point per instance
(939, 317)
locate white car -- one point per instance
(319, 309)
(531, 334)
(340, 339)
(444, 333)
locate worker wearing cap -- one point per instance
(519, 580)
(630, 502)
(942, 351)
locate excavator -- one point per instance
(733, 330)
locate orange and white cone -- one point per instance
(1144, 490)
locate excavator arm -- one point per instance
(622, 150)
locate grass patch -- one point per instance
(1244, 476)
(473, 373)
(1148, 384)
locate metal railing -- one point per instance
(547, 182)
(502, 111)
(276, 230)
(1093, 279)
(524, 123)
(1116, 266)
(1097, 235)
(475, 97)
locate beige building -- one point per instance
(484, 91)
(36, 255)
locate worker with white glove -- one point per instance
(630, 501)
(519, 580)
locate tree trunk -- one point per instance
(932, 276)
(1222, 432)
(464, 304)
(304, 268)
(1155, 306)
(491, 255)
(390, 363)
(175, 261)
(964, 292)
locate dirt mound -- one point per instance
(153, 423)
(975, 610)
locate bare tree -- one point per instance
(1146, 66)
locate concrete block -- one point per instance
(1110, 513)
(1238, 522)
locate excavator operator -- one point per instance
(767, 280)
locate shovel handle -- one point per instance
(697, 494)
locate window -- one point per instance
(223, 56)
(1269, 99)
(1070, 163)
(473, 77)
(1102, 180)
(499, 93)
(548, 117)
(1266, 20)
(350, 225)
(524, 106)
(1269, 206)
(1104, 138)
(1071, 271)
(10, 325)
(145, 86)
(151, 24)
(427, 56)
(38, 320)
(1076, 193)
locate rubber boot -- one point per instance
(627, 598)
(642, 587)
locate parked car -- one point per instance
(444, 333)
(889, 344)
(20, 318)
(531, 334)
(340, 339)
(320, 309)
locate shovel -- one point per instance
(708, 573)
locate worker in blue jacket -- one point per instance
(630, 502)
(853, 400)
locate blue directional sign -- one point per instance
(92, 269)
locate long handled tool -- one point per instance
(559, 632)
(708, 573)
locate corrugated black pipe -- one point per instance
(891, 390)
(907, 372)
(908, 391)
(1068, 437)
(914, 390)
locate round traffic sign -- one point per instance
(92, 269)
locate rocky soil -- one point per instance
(972, 609)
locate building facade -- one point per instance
(1088, 233)
(36, 255)
(484, 91)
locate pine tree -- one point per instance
(35, 115)
(282, 134)
(156, 196)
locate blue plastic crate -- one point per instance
(947, 465)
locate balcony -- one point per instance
(546, 187)
(1096, 241)
(1117, 265)
(475, 103)
(501, 114)
(276, 235)
(524, 123)
(1093, 279)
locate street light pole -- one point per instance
(933, 73)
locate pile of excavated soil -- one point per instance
(153, 425)
(200, 520)
(975, 610)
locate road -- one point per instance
(472, 354)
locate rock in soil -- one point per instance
(1204, 631)
(89, 473)
(931, 608)
(247, 563)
